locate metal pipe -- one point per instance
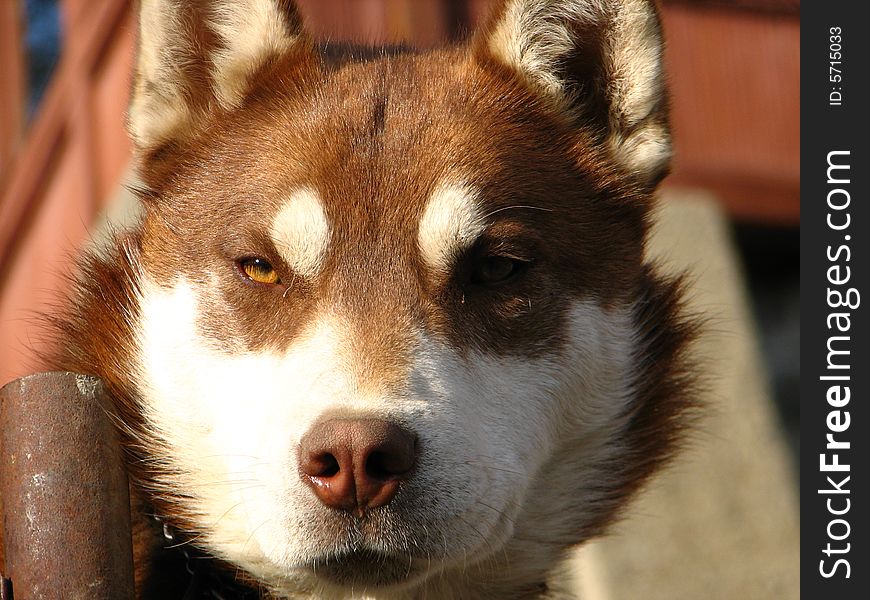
(65, 500)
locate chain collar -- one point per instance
(208, 580)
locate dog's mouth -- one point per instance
(364, 568)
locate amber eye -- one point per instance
(259, 270)
(491, 270)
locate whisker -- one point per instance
(250, 537)
(485, 465)
(517, 206)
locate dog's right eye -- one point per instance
(494, 270)
(258, 270)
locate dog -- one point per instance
(385, 328)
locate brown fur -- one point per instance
(374, 138)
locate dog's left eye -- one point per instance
(259, 270)
(492, 270)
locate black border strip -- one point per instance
(835, 226)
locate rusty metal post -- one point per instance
(65, 501)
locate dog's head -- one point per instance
(392, 315)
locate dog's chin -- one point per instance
(365, 569)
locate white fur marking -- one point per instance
(301, 233)
(251, 31)
(635, 62)
(647, 150)
(536, 36)
(450, 223)
(635, 67)
(533, 37)
(158, 108)
(226, 424)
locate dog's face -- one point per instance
(386, 308)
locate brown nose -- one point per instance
(356, 464)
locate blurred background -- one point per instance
(64, 154)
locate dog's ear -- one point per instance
(200, 56)
(596, 61)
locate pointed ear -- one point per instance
(198, 56)
(599, 61)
